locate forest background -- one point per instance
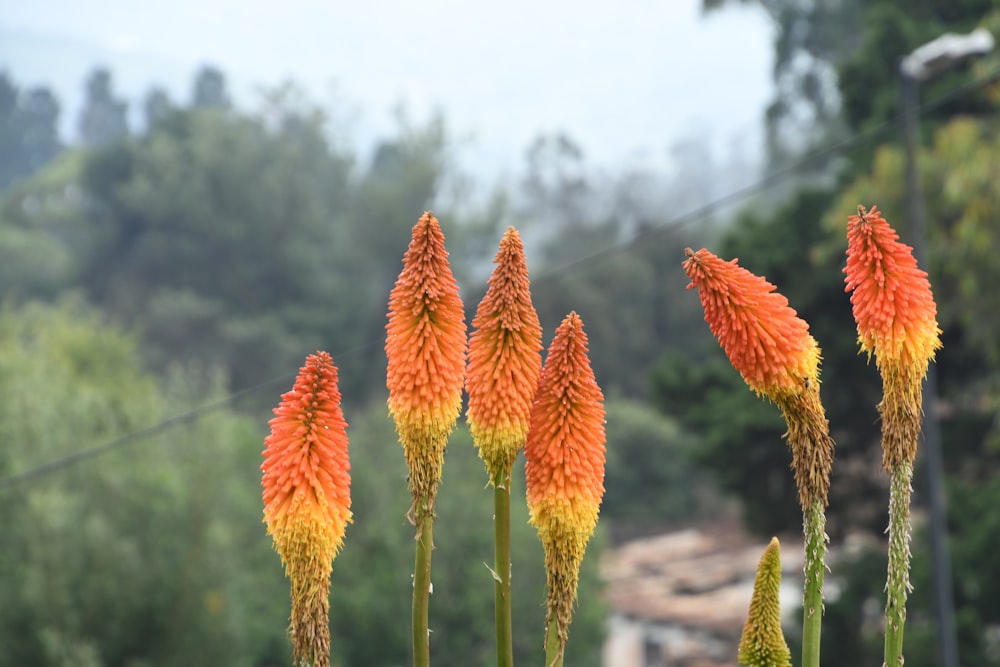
(161, 284)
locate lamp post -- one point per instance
(924, 62)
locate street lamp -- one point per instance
(924, 62)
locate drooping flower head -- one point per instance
(425, 347)
(504, 359)
(565, 464)
(762, 643)
(761, 334)
(770, 345)
(307, 502)
(897, 322)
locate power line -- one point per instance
(769, 181)
(137, 436)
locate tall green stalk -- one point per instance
(501, 568)
(424, 517)
(554, 646)
(814, 533)
(897, 583)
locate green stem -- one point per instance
(897, 584)
(501, 571)
(554, 646)
(424, 516)
(814, 533)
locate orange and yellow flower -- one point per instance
(897, 322)
(761, 334)
(565, 465)
(770, 345)
(891, 297)
(425, 347)
(504, 360)
(307, 501)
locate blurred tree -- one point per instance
(836, 63)
(156, 106)
(737, 436)
(609, 252)
(811, 39)
(37, 222)
(217, 234)
(399, 183)
(869, 76)
(209, 89)
(556, 183)
(104, 118)
(651, 479)
(852, 625)
(29, 130)
(629, 294)
(147, 555)
(213, 228)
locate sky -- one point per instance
(626, 80)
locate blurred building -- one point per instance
(680, 599)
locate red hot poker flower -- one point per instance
(504, 359)
(761, 334)
(565, 464)
(425, 347)
(897, 321)
(307, 501)
(772, 349)
(891, 297)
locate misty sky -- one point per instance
(627, 79)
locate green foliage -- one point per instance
(225, 236)
(148, 555)
(610, 251)
(869, 77)
(651, 477)
(29, 130)
(38, 249)
(811, 39)
(630, 299)
(852, 625)
(209, 89)
(738, 436)
(104, 118)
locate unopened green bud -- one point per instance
(763, 644)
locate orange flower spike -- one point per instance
(772, 349)
(504, 359)
(761, 334)
(897, 321)
(565, 465)
(307, 501)
(425, 347)
(891, 297)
